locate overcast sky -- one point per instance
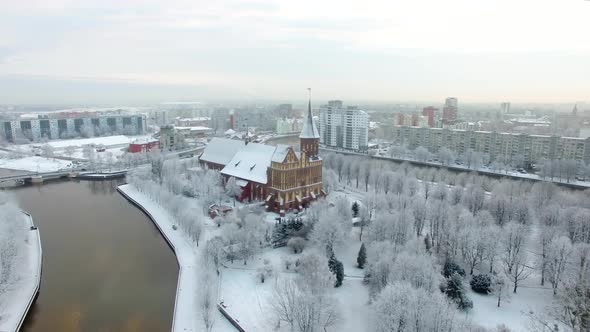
(108, 51)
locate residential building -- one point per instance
(498, 146)
(450, 110)
(344, 127)
(504, 109)
(289, 125)
(170, 138)
(429, 112)
(55, 125)
(201, 121)
(282, 177)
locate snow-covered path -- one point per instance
(185, 307)
(20, 295)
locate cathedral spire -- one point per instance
(309, 129)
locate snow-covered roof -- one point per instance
(221, 150)
(280, 153)
(250, 163)
(144, 140)
(194, 128)
(309, 129)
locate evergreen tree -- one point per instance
(481, 283)
(455, 291)
(427, 243)
(335, 266)
(355, 209)
(339, 273)
(451, 267)
(361, 259)
(332, 261)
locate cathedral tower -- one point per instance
(309, 139)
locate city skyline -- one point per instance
(136, 52)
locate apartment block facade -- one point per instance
(55, 127)
(343, 127)
(499, 146)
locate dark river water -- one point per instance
(105, 266)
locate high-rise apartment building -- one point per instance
(450, 110)
(344, 127)
(430, 112)
(504, 109)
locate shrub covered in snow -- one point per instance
(264, 272)
(481, 283)
(297, 244)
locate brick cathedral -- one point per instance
(280, 176)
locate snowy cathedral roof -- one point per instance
(309, 129)
(280, 153)
(221, 150)
(251, 163)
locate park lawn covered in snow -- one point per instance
(19, 282)
(513, 311)
(248, 300)
(36, 164)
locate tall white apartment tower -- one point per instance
(504, 109)
(344, 127)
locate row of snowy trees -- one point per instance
(418, 220)
(188, 213)
(12, 243)
(565, 169)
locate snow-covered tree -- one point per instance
(500, 288)
(232, 189)
(401, 307)
(559, 255)
(331, 230)
(207, 295)
(361, 259)
(315, 275)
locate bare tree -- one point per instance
(207, 296)
(559, 253)
(284, 300)
(500, 288)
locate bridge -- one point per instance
(36, 177)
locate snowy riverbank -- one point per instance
(23, 288)
(185, 306)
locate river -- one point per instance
(105, 265)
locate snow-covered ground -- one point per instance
(513, 311)
(36, 164)
(186, 312)
(245, 297)
(248, 300)
(23, 285)
(106, 141)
